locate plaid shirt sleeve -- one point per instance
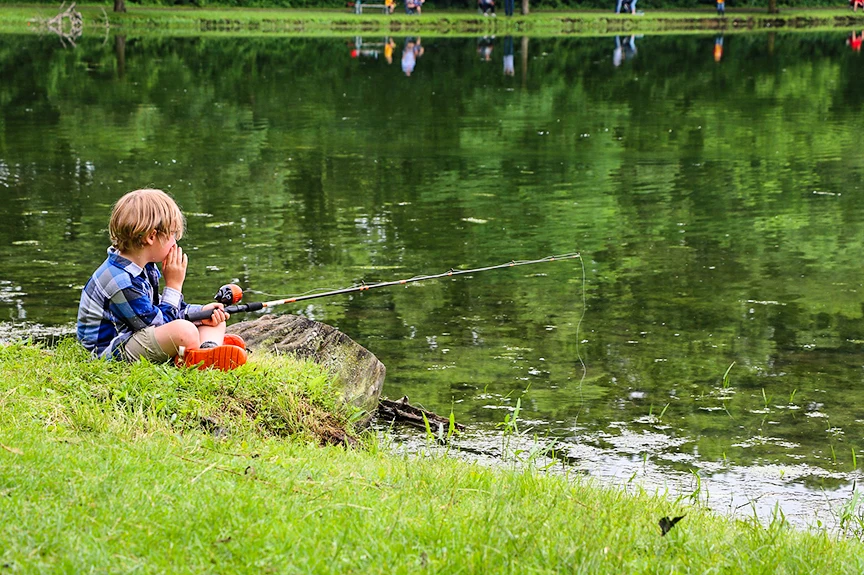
(135, 306)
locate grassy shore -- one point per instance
(181, 21)
(111, 468)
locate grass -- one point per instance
(106, 468)
(227, 21)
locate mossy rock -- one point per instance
(358, 371)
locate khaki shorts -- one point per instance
(143, 344)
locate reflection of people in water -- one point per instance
(484, 47)
(509, 68)
(623, 50)
(389, 44)
(410, 53)
(718, 48)
(855, 41)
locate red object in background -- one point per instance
(354, 53)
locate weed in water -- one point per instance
(726, 376)
(765, 399)
(851, 517)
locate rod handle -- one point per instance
(231, 309)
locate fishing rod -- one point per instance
(231, 294)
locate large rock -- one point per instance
(359, 372)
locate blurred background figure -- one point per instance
(509, 68)
(389, 45)
(484, 47)
(410, 53)
(486, 7)
(718, 48)
(623, 50)
(854, 41)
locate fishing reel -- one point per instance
(229, 294)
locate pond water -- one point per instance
(714, 187)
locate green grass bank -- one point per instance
(262, 21)
(111, 468)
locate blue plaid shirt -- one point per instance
(121, 298)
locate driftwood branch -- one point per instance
(68, 24)
(403, 412)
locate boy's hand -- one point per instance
(174, 268)
(218, 316)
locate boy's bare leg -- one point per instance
(172, 335)
(212, 333)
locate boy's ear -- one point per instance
(150, 238)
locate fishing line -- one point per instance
(579, 342)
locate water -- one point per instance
(718, 207)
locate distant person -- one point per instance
(486, 7)
(626, 6)
(508, 7)
(721, 7)
(390, 5)
(410, 53)
(412, 6)
(855, 41)
(718, 48)
(855, 4)
(484, 48)
(509, 68)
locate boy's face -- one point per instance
(164, 245)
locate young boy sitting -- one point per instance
(122, 316)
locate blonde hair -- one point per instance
(138, 213)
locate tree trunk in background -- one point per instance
(525, 7)
(119, 5)
(524, 61)
(772, 7)
(120, 53)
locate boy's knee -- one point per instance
(179, 332)
(185, 328)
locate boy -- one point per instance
(121, 315)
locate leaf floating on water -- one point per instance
(667, 524)
(218, 224)
(474, 220)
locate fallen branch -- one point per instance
(403, 412)
(68, 24)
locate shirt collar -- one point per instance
(127, 265)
